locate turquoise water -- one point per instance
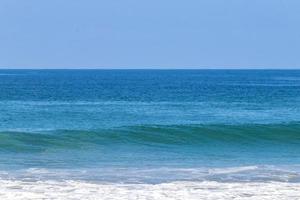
(150, 125)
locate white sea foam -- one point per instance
(64, 190)
(232, 170)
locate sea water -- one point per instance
(150, 134)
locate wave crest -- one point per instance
(253, 134)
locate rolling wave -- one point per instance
(190, 135)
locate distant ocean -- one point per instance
(150, 134)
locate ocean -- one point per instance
(150, 134)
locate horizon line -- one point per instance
(114, 68)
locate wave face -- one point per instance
(154, 146)
(155, 136)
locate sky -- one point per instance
(149, 34)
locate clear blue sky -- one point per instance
(150, 33)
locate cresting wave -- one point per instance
(194, 135)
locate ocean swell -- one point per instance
(152, 135)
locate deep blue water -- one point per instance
(150, 125)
